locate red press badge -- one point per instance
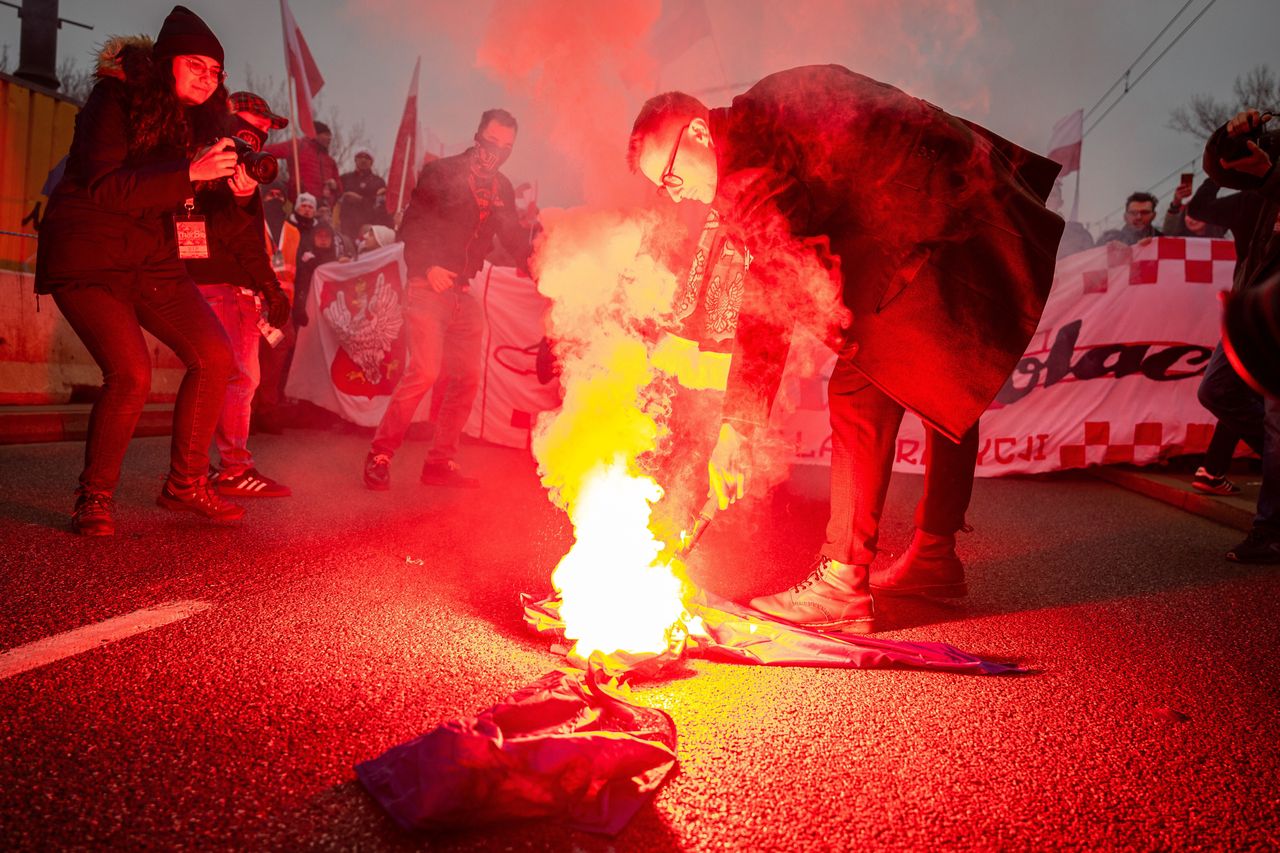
(193, 240)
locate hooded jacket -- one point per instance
(108, 221)
(932, 232)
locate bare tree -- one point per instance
(76, 81)
(347, 138)
(1258, 89)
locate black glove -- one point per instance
(277, 303)
(299, 316)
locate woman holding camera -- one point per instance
(109, 255)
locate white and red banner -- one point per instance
(302, 68)
(354, 350)
(510, 395)
(1110, 376)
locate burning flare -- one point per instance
(621, 595)
(618, 594)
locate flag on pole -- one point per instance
(1066, 141)
(404, 156)
(302, 70)
(682, 25)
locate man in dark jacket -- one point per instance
(852, 197)
(458, 205)
(1254, 418)
(359, 194)
(237, 279)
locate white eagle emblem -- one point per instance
(368, 334)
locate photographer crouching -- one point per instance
(111, 247)
(238, 281)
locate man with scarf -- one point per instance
(458, 205)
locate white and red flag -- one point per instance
(1066, 142)
(404, 156)
(302, 69)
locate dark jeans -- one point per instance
(864, 425)
(110, 324)
(1255, 420)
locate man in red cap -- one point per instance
(239, 282)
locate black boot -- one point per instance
(929, 568)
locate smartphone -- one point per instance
(1186, 179)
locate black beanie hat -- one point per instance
(185, 34)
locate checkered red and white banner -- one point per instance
(1110, 376)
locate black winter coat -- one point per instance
(108, 220)
(1263, 258)
(931, 230)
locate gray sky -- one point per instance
(1014, 66)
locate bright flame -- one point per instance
(617, 594)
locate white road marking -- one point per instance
(69, 643)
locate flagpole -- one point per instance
(404, 172)
(293, 119)
(1075, 205)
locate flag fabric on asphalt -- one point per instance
(404, 156)
(1066, 142)
(302, 68)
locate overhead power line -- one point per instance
(1191, 165)
(1129, 84)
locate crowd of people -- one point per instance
(153, 228)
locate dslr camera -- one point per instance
(260, 165)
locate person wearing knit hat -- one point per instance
(118, 220)
(360, 193)
(185, 34)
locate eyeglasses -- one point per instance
(199, 69)
(669, 179)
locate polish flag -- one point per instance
(302, 69)
(404, 156)
(1066, 141)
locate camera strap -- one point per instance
(189, 228)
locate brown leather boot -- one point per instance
(929, 568)
(834, 597)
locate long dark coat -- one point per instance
(931, 230)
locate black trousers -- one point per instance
(864, 426)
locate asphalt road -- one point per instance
(1153, 722)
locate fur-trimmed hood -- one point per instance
(157, 119)
(119, 55)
